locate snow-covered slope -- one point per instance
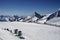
(32, 18)
(49, 17)
(44, 19)
(32, 31)
(5, 35)
(55, 20)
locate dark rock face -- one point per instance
(16, 17)
(58, 13)
(51, 16)
(38, 15)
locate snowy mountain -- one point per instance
(32, 18)
(50, 30)
(55, 20)
(49, 17)
(44, 19)
(4, 18)
(35, 18)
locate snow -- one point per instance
(55, 20)
(5, 35)
(44, 19)
(34, 18)
(59, 9)
(28, 17)
(31, 31)
(31, 18)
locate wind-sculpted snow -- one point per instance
(32, 31)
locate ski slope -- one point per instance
(31, 31)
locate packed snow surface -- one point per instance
(31, 31)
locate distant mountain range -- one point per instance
(35, 18)
(32, 18)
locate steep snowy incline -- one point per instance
(32, 31)
(5, 35)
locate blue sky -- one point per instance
(28, 7)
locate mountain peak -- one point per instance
(38, 15)
(59, 9)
